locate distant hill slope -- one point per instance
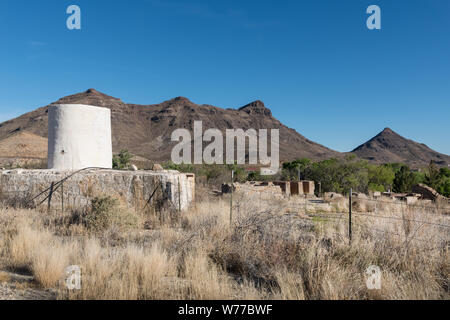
(145, 130)
(389, 146)
(22, 144)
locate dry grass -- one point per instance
(266, 254)
(4, 277)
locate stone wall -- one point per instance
(261, 190)
(276, 189)
(133, 187)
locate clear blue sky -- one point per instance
(314, 63)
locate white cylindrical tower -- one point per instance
(79, 136)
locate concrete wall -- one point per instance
(277, 189)
(79, 136)
(308, 187)
(132, 187)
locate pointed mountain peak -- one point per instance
(91, 91)
(96, 93)
(182, 99)
(387, 131)
(90, 97)
(256, 107)
(389, 146)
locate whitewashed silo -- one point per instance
(79, 136)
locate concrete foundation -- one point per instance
(169, 188)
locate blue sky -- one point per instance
(314, 63)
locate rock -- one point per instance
(133, 168)
(333, 195)
(359, 195)
(157, 167)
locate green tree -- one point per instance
(404, 180)
(122, 160)
(433, 176)
(444, 185)
(291, 169)
(381, 177)
(339, 175)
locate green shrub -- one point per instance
(122, 160)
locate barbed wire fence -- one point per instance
(411, 226)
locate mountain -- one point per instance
(145, 130)
(23, 148)
(389, 146)
(23, 144)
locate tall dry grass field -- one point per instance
(272, 250)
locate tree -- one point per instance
(291, 169)
(433, 176)
(122, 160)
(381, 177)
(339, 175)
(404, 180)
(444, 186)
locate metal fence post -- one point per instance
(231, 197)
(62, 197)
(50, 196)
(350, 216)
(179, 195)
(305, 203)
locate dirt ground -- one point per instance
(14, 286)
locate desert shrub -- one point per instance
(264, 254)
(122, 160)
(107, 212)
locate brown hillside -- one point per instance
(24, 145)
(145, 130)
(388, 146)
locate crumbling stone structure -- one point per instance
(278, 189)
(428, 193)
(138, 189)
